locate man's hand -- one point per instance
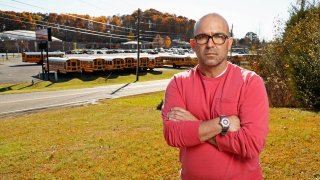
(180, 114)
(234, 126)
(234, 123)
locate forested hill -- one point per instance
(84, 28)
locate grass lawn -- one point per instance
(122, 139)
(88, 80)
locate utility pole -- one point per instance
(110, 36)
(138, 46)
(48, 72)
(49, 39)
(231, 35)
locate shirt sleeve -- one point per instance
(254, 118)
(182, 133)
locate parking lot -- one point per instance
(14, 71)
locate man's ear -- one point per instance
(192, 43)
(230, 41)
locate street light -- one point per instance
(109, 39)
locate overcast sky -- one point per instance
(257, 16)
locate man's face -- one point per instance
(211, 54)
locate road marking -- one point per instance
(83, 93)
(99, 89)
(2, 114)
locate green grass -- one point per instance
(293, 146)
(122, 139)
(87, 80)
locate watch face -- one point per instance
(225, 122)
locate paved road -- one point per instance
(15, 71)
(13, 104)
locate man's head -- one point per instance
(212, 41)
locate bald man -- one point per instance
(216, 113)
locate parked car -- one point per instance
(152, 51)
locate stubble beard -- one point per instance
(212, 61)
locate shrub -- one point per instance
(290, 65)
(272, 68)
(302, 52)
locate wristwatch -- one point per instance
(224, 123)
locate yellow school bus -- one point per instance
(193, 59)
(151, 62)
(158, 61)
(176, 61)
(63, 65)
(130, 62)
(144, 62)
(114, 63)
(91, 64)
(35, 57)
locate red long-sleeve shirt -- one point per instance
(237, 92)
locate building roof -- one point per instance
(21, 35)
(131, 43)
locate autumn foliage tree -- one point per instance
(84, 28)
(158, 41)
(290, 64)
(302, 53)
(167, 42)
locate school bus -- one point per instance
(35, 57)
(113, 63)
(130, 62)
(193, 59)
(63, 65)
(144, 62)
(91, 64)
(158, 62)
(175, 60)
(151, 62)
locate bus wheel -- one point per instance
(174, 65)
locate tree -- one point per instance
(290, 65)
(252, 39)
(116, 20)
(167, 42)
(131, 36)
(151, 20)
(158, 41)
(301, 45)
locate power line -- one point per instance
(145, 36)
(92, 5)
(64, 29)
(108, 24)
(28, 4)
(74, 16)
(11, 6)
(108, 34)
